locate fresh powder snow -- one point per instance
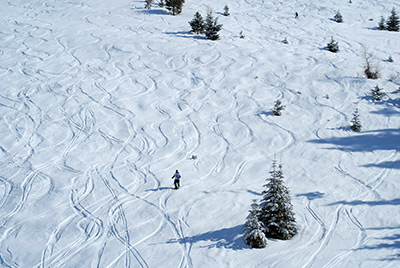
(101, 101)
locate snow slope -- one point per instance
(101, 101)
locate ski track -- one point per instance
(111, 160)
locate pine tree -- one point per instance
(254, 235)
(377, 93)
(212, 27)
(382, 24)
(355, 122)
(278, 107)
(175, 6)
(333, 46)
(276, 210)
(393, 22)
(197, 24)
(338, 17)
(161, 4)
(226, 11)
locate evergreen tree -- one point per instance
(226, 11)
(276, 210)
(393, 22)
(161, 4)
(338, 17)
(212, 27)
(278, 107)
(377, 93)
(197, 24)
(355, 122)
(254, 235)
(333, 46)
(382, 24)
(175, 6)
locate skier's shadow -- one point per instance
(230, 238)
(160, 189)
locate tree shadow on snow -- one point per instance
(160, 189)
(186, 34)
(312, 195)
(264, 114)
(388, 112)
(391, 243)
(386, 164)
(153, 11)
(391, 103)
(367, 141)
(230, 238)
(394, 202)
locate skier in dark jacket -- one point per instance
(176, 178)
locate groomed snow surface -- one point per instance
(101, 101)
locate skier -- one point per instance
(176, 178)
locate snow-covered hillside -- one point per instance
(101, 101)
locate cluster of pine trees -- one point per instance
(174, 6)
(273, 217)
(209, 27)
(392, 23)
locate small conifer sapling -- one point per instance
(382, 24)
(377, 94)
(226, 10)
(355, 122)
(393, 22)
(333, 46)
(197, 24)
(278, 108)
(338, 17)
(212, 27)
(175, 6)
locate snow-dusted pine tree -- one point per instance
(355, 122)
(338, 17)
(278, 107)
(254, 235)
(377, 93)
(333, 46)
(393, 22)
(276, 209)
(226, 10)
(212, 27)
(382, 24)
(197, 24)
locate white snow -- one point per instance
(101, 101)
